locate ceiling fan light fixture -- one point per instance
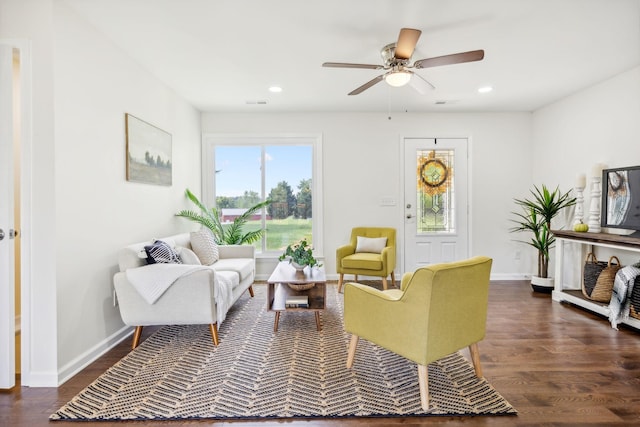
(397, 78)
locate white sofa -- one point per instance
(191, 298)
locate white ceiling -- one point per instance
(221, 54)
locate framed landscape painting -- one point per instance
(148, 152)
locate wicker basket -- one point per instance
(604, 285)
(592, 269)
(301, 286)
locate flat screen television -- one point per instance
(621, 199)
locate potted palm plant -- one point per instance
(231, 234)
(535, 217)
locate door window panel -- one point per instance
(435, 207)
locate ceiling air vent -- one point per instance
(258, 102)
(446, 101)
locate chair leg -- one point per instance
(136, 337)
(355, 277)
(251, 291)
(385, 284)
(475, 358)
(423, 381)
(352, 350)
(214, 333)
(340, 280)
(393, 279)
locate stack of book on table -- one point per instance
(297, 301)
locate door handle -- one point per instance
(12, 233)
(409, 216)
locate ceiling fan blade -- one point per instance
(407, 41)
(367, 85)
(456, 58)
(348, 65)
(420, 84)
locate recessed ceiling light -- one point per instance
(485, 89)
(275, 89)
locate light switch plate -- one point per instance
(388, 201)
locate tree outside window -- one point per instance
(287, 181)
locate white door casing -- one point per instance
(7, 249)
(437, 167)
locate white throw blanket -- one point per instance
(153, 280)
(620, 303)
(223, 294)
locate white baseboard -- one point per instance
(510, 276)
(39, 379)
(79, 363)
(349, 278)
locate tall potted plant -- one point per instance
(231, 234)
(535, 217)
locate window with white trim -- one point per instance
(241, 171)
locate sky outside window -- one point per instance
(238, 168)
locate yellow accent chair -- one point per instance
(366, 254)
(438, 310)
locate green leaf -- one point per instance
(535, 217)
(210, 218)
(301, 253)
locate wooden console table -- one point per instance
(572, 292)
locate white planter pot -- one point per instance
(297, 266)
(544, 285)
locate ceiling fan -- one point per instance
(397, 57)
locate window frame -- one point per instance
(208, 178)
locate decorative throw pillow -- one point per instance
(160, 252)
(188, 256)
(371, 244)
(143, 252)
(204, 245)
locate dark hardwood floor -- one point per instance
(558, 365)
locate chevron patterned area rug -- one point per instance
(297, 372)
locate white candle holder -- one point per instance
(578, 216)
(594, 205)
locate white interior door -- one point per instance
(7, 249)
(435, 201)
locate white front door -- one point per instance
(7, 249)
(435, 201)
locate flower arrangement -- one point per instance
(300, 255)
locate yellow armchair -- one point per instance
(379, 262)
(437, 311)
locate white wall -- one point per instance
(82, 208)
(600, 124)
(97, 210)
(30, 22)
(362, 165)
